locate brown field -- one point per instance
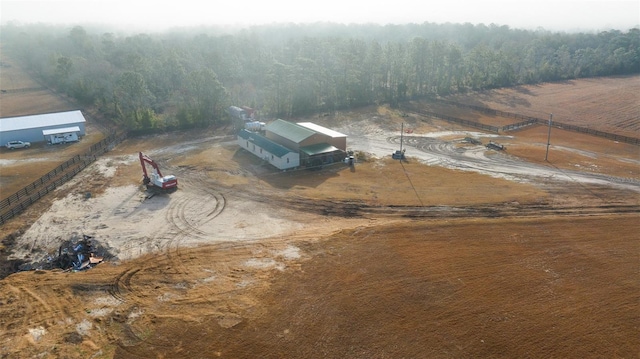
(386, 260)
(21, 95)
(610, 104)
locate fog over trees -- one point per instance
(187, 78)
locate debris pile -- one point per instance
(73, 256)
(79, 256)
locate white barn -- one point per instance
(53, 128)
(334, 138)
(288, 145)
(277, 155)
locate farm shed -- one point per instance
(38, 128)
(277, 155)
(316, 145)
(296, 135)
(311, 144)
(291, 135)
(334, 138)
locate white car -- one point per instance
(12, 145)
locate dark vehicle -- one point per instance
(398, 155)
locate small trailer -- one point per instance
(61, 135)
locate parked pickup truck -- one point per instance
(12, 145)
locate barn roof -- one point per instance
(289, 130)
(323, 130)
(43, 120)
(56, 131)
(264, 143)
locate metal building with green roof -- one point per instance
(291, 135)
(313, 145)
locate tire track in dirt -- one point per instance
(193, 206)
(204, 207)
(158, 285)
(190, 213)
(135, 288)
(185, 217)
(476, 158)
(120, 287)
(203, 287)
(169, 242)
(593, 205)
(35, 311)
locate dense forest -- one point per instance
(185, 78)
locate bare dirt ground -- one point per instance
(609, 104)
(457, 252)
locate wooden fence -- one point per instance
(611, 136)
(529, 121)
(460, 121)
(24, 89)
(21, 200)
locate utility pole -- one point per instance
(401, 131)
(548, 138)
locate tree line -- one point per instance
(186, 78)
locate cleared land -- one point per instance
(457, 252)
(609, 104)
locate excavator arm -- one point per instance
(156, 180)
(145, 159)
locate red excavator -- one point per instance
(156, 182)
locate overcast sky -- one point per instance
(555, 15)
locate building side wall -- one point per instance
(314, 140)
(29, 135)
(290, 160)
(34, 135)
(282, 141)
(338, 142)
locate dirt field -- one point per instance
(607, 104)
(457, 252)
